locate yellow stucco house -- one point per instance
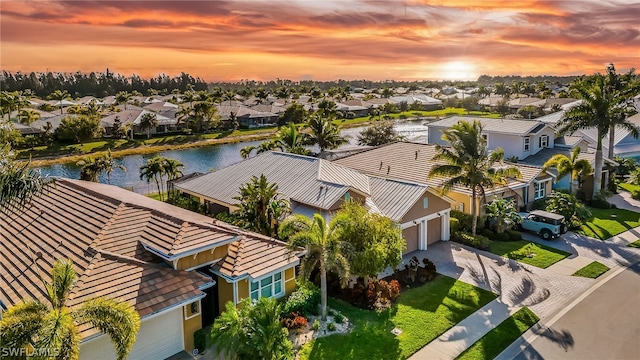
(176, 267)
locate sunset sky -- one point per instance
(321, 39)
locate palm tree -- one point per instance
(261, 206)
(28, 116)
(288, 139)
(123, 97)
(148, 121)
(153, 169)
(108, 164)
(204, 112)
(603, 107)
(325, 133)
(60, 95)
(53, 325)
(251, 331)
(572, 166)
(504, 213)
(90, 169)
(468, 163)
(173, 169)
(323, 245)
(18, 182)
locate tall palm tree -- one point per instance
(53, 325)
(261, 207)
(325, 133)
(204, 112)
(108, 164)
(60, 95)
(623, 87)
(123, 97)
(323, 245)
(148, 121)
(173, 169)
(602, 108)
(18, 182)
(572, 166)
(153, 169)
(468, 163)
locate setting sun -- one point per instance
(458, 70)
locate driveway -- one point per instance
(604, 325)
(542, 290)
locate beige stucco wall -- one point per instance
(353, 196)
(243, 289)
(460, 198)
(289, 280)
(417, 211)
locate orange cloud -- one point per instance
(321, 40)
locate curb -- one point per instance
(532, 334)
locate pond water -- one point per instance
(200, 159)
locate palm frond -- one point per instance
(119, 320)
(21, 323)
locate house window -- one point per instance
(270, 286)
(192, 310)
(539, 190)
(543, 141)
(526, 143)
(425, 203)
(484, 136)
(347, 196)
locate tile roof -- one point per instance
(254, 256)
(505, 126)
(107, 232)
(543, 155)
(412, 162)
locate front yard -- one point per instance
(498, 339)
(592, 271)
(527, 252)
(603, 226)
(422, 314)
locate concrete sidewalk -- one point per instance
(457, 339)
(569, 266)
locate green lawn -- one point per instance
(156, 196)
(602, 226)
(498, 339)
(592, 270)
(628, 187)
(422, 313)
(519, 250)
(635, 244)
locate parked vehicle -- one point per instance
(547, 225)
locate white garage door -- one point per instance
(158, 338)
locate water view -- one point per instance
(202, 159)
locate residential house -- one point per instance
(426, 102)
(246, 116)
(133, 117)
(357, 108)
(315, 185)
(518, 138)
(408, 161)
(177, 268)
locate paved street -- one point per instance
(604, 325)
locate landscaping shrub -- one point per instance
(454, 224)
(200, 340)
(464, 220)
(539, 204)
(514, 235)
(339, 318)
(316, 325)
(381, 294)
(600, 201)
(501, 237)
(294, 321)
(331, 326)
(635, 194)
(304, 300)
(488, 233)
(479, 241)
